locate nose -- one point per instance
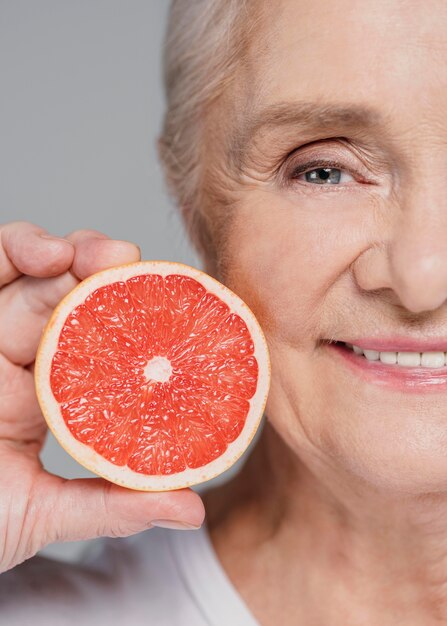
(411, 259)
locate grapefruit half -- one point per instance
(153, 375)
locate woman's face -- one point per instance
(334, 161)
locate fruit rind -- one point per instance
(93, 461)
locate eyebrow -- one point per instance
(306, 116)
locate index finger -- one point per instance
(28, 249)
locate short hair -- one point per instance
(203, 44)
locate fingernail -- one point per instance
(130, 243)
(53, 238)
(174, 524)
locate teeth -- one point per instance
(433, 359)
(410, 359)
(390, 358)
(371, 355)
(405, 359)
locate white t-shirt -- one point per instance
(159, 577)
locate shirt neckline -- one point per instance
(203, 575)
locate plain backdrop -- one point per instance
(80, 110)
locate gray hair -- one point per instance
(203, 44)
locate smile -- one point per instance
(404, 359)
(407, 370)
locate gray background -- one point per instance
(80, 110)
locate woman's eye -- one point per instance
(325, 176)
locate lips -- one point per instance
(406, 370)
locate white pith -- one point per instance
(433, 359)
(159, 369)
(88, 457)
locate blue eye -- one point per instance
(324, 176)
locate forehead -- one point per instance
(387, 55)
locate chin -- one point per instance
(394, 452)
(370, 435)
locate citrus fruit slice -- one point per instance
(153, 375)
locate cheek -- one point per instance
(285, 255)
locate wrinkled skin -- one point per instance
(37, 507)
(349, 480)
(339, 516)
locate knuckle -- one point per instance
(19, 539)
(18, 239)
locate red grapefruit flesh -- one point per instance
(153, 375)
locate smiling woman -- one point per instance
(305, 144)
(326, 156)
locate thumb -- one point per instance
(94, 507)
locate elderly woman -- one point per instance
(306, 144)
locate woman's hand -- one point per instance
(36, 507)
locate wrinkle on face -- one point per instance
(348, 72)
